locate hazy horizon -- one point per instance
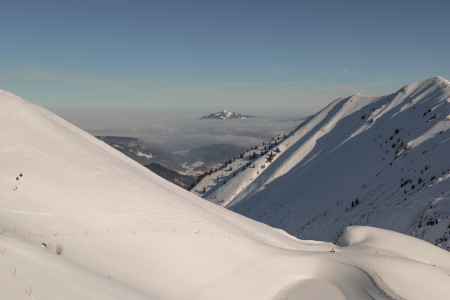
(273, 57)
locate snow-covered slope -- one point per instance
(222, 186)
(128, 234)
(391, 153)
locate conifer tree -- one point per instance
(204, 189)
(234, 174)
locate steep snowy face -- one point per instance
(378, 161)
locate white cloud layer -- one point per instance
(180, 131)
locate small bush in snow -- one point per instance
(59, 249)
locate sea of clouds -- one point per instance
(175, 131)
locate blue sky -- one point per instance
(247, 56)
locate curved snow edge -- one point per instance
(384, 288)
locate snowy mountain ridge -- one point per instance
(386, 154)
(226, 115)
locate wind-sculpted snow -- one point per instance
(388, 155)
(128, 234)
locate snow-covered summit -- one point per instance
(226, 115)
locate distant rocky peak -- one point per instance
(226, 115)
